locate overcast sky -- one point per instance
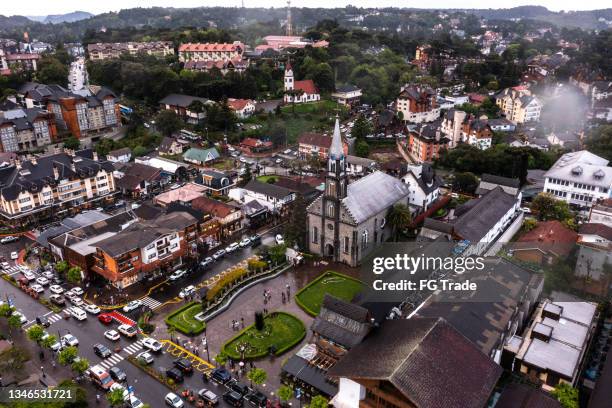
(45, 7)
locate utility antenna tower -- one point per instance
(289, 26)
(242, 3)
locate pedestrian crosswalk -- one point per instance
(111, 361)
(12, 270)
(54, 318)
(133, 348)
(152, 303)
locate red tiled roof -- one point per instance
(16, 57)
(252, 142)
(216, 208)
(596, 229)
(210, 47)
(307, 86)
(550, 232)
(315, 139)
(237, 104)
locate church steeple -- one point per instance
(336, 180)
(336, 150)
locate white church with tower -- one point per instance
(348, 221)
(299, 91)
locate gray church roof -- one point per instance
(372, 194)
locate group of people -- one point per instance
(238, 324)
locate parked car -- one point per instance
(69, 340)
(43, 321)
(208, 396)
(57, 289)
(173, 400)
(77, 291)
(102, 351)
(245, 243)
(57, 300)
(93, 309)
(239, 387)
(76, 301)
(133, 305)
(279, 239)
(9, 239)
(14, 255)
(145, 356)
(184, 365)
(135, 402)
(29, 275)
(127, 330)
(41, 280)
(78, 313)
(175, 374)
(189, 290)
(152, 344)
(233, 398)
(220, 375)
(117, 374)
(176, 275)
(258, 399)
(219, 254)
(207, 262)
(21, 316)
(48, 274)
(232, 247)
(37, 288)
(255, 240)
(112, 335)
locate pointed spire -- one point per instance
(336, 151)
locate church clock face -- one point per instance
(330, 226)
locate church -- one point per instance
(299, 91)
(348, 221)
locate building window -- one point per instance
(364, 239)
(330, 210)
(315, 235)
(346, 245)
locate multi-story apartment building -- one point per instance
(211, 51)
(425, 143)
(103, 51)
(87, 113)
(518, 105)
(26, 129)
(580, 178)
(17, 62)
(417, 104)
(477, 133)
(146, 249)
(52, 186)
(461, 127)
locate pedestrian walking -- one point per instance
(97, 398)
(242, 322)
(283, 297)
(42, 370)
(288, 290)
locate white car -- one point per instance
(9, 239)
(21, 316)
(189, 290)
(29, 275)
(177, 275)
(112, 335)
(145, 356)
(5, 265)
(279, 239)
(77, 291)
(133, 305)
(232, 247)
(135, 402)
(127, 330)
(77, 301)
(245, 243)
(57, 289)
(93, 309)
(48, 274)
(77, 313)
(37, 288)
(117, 386)
(526, 210)
(41, 280)
(173, 400)
(278, 161)
(69, 340)
(57, 346)
(152, 344)
(14, 255)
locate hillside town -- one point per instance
(193, 203)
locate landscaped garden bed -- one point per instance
(341, 286)
(281, 331)
(184, 319)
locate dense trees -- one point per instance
(547, 207)
(52, 71)
(599, 141)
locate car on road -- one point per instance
(279, 239)
(76, 301)
(189, 290)
(208, 396)
(57, 346)
(175, 374)
(127, 330)
(105, 318)
(219, 254)
(41, 280)
(239, 387)
(69, 294)
(184, 365)
(69, 340)
(5, 265)
(207, 262)
(526, 210)
(117, 386)
(135, 402)
(112, 335)
(152, 344)
(48, 274)
(257, 399)
(173, 400)
(145, 356)
(37, 288)
(117, 374)
(245, 243)
(220, 375)
(21, 316)
(93, 309)
(43, 321)
(133, 305)
(102, 351)
(255, 240)
(77, 291)
(57, 289)
(57, 300)
(78, 313)
(14, 255)
(29, 275)
(233, 398)
(9, 239)
(176, 275)
(278, 161)
(101, 377)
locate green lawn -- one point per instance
(184, 321)
(281, 331)
(341, 286)
(264, 179)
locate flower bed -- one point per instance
(310, 297)
(281, 332)
(184, 319)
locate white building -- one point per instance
(272, 196)
(424, 187)
(580, 178)
(299, 91)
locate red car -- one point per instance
(105, 318)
